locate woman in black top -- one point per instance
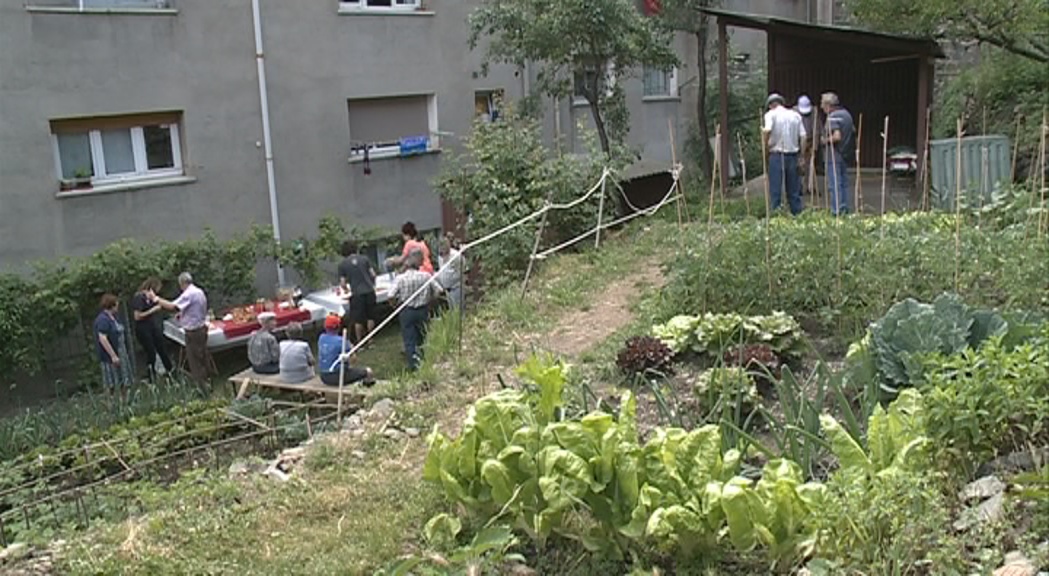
(147, 325)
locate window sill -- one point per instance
(126, 186)
(351, 11)
(102, 11)
(661, 98)
(373, 156)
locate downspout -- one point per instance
(271, 181)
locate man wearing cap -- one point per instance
(808, 121)
(839, 140)
(330, 347)
(784, 135)
(263, 349)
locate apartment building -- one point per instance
(144, 118)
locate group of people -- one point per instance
(291, 357)
(790, 136)
(111, 338)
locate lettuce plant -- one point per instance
(711, 334)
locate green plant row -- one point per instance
(518, 462)
(881, 262)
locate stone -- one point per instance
(383, 409)
(982, 489)
(13, 552)
(1016, 565)
(358, 454)
(293, 454)
(522, 570)
(987, 512)
(353, 422)
(393, 434)
(276, 473)
(412, 432)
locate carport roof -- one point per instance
(846, 34)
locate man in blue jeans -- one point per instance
(838, 138)
(414, 315)
(784, 134)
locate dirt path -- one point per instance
(608, 311)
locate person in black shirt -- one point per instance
(147, 325)
(357, 273)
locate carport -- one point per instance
(874, 74)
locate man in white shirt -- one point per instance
(784, 134)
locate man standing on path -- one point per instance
(192, 308)
(806, 162)
(357, 274)
(784, 136)
(416, 311)
(838, 138)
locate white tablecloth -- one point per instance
(339, 303)
(217, 338)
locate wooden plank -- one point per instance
(246, 379)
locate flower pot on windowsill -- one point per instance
(75, 184)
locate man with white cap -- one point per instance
(784, 135)
(263, 349)
(808, 120)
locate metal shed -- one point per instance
(874, 74)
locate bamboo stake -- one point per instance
(681, 203)
(768, 205)
(342, 378)
(538, 238)
(958, 206)
(1044, 212)
(859, 186)
(884, 167)
(925, 161)
(837, 218)
(715, 175)
(601, 213)
(1016, 148)
(743, 167)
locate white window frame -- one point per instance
(362, 6)
(138, 148)
(393, 149)
(610, 85)
(672, 91)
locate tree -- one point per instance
(685, 15)
(581, 47)
(1017, 26)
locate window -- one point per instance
(582, 80)
(487, 104)
(95, 5)
(659, 82)
(392, 126)
(380, 5)
(107, 150)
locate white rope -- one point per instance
(462, 249)
(667, 198)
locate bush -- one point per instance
(883, 260)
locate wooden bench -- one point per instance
(352, 394)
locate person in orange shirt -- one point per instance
(412, 241)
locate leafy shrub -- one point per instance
(980, 403)
(644, 354)
(753, 357)
(711, 334)
(726, 392)
(883, 261)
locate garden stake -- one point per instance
(1044, 209)
(535, 245)
(884, 170)
(768, 207)
(925, 162)
(837, 219)
(859, 188)
(681, 198)
(743, 167)
(714, 175)
(814, 182)
(601, 212)
(342, 381)
(958, 206)
(3, 535)
(1016, 147)
(309, 425)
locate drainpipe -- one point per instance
(271, 181)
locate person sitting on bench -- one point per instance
(296, 358)
(263, 349)
(329, 348)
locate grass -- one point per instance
(343, 513)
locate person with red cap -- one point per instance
(329, 348)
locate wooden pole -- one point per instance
(716, 176)
(601, 213)
(768, 205)
(1043, 215)
(884, 166)
(859, 187)
(958, 206)
(723, 95)
(1016, 148)
(342, 376)
(814, 182)
(681, 192)
(925, 162)
(743, 168)
(539, 238)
